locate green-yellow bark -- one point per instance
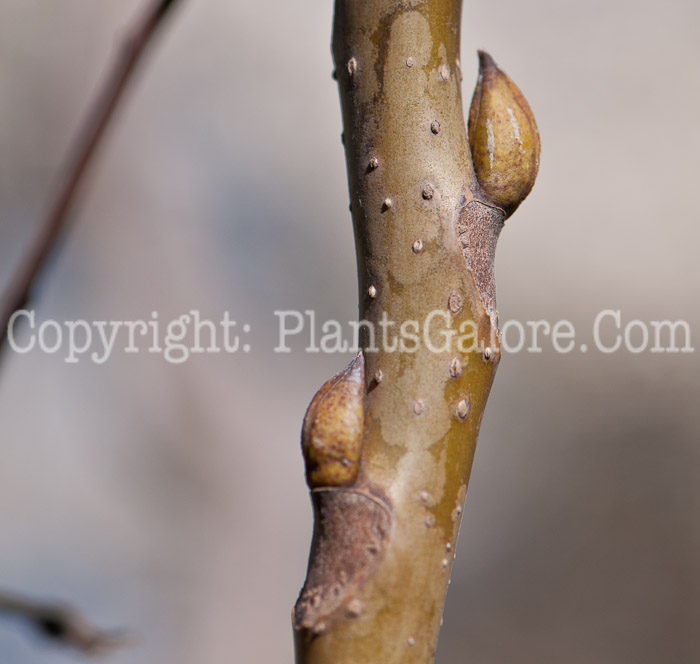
(384, 541)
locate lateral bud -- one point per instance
(331, 438)
(503, 135)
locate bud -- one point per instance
(331, 438)
(503, 136)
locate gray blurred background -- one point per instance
(170, 498)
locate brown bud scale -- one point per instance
(331, 438)
(503, 136)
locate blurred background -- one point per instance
(170, 499)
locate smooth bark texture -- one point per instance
(384, 540)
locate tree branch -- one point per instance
(389, 442)
(19, 290)
(57, 621)
(62, 624)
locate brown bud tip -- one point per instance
(503, 136)
(331, 438)
(485, 61)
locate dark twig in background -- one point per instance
(19, 291)
(61, 623)
(58, 621)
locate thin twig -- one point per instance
(19, 291)
(62, 624)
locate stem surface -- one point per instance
(425, 245)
